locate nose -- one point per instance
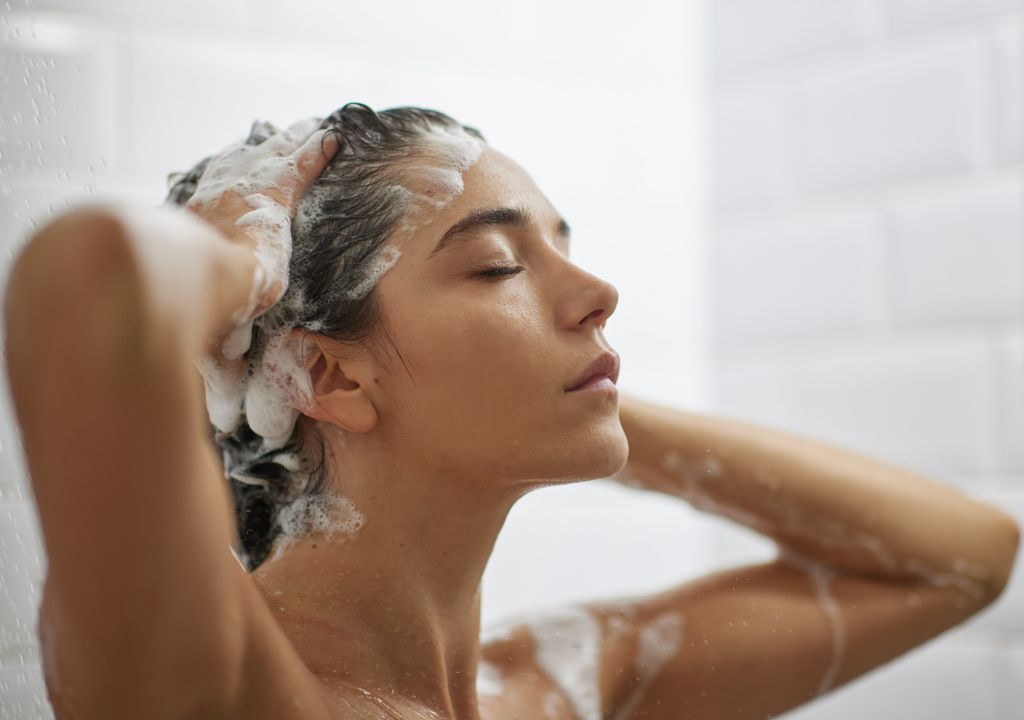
(591, 300)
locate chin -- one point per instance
(603, 459)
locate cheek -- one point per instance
(485, 348)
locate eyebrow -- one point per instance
(501, 216)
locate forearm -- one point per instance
(833, 505)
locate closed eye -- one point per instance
(501, 270)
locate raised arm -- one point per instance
(107, 312)
(875, 560)
(830, 505)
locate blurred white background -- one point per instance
(812, 211)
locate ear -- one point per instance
(339, 374)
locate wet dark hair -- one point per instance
(340, 227)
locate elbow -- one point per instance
(63, 257)
(1004, 545)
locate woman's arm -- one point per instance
(875, 561)
(140, 605)
(145, 611)
(819, 501)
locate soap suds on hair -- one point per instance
(276, 387)
(380, 265)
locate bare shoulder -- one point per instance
(751, 641)
(580, 661)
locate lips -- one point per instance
(606, 365)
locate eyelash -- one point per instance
(501, 271)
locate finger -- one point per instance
(310, 160)
(289, 140)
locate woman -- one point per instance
(392, 340)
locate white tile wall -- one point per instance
(922, 14)
(133, 12)
(62, 107)
(869, 276)
(787, 29)
(22, 693)
(898, 113)
(20, 557)
(1013, 682)
(957, 253)
(799, 275)
(1011, 383)
(1009, 92)
(750, 161)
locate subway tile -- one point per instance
(21, 566)
(927, 405)
(754, 391)
(751, 160)
(58, 85)
(746, 34)
(224, 13)
(906, 113)
(1009, 83)
(919, 14)
(531, 32)
(23, 694)
(214, 89)
(958, 253)
(815, 272)
(1010, 381)
(1013, 700)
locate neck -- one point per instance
(394, 610)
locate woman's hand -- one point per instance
(249, 194)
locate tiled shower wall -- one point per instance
(868, 262)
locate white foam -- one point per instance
(690, 476)
(497, 632)
(324, 514)
(658, 643)
(488, 679)
(280, 385)
(820, 576)
(567, 650)
(781, 511)
(248, 169)
(223, 393)
(966, 578)
(374, 271)
(554, 706)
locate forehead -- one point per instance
(496, 179)
(492, 180)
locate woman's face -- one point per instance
(479, 388)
